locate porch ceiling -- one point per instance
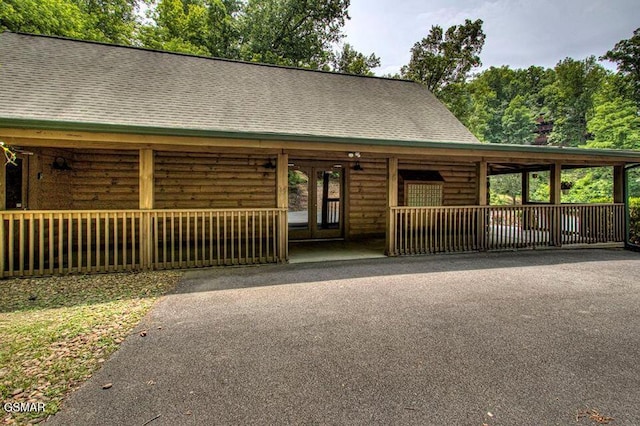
(510, 168)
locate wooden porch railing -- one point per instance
(58, 242)
(421, 230)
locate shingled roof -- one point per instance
(49, 79)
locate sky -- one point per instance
(519, 33)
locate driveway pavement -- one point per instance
(528, 338)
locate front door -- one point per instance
(316, 207)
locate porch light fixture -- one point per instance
(358, 167)
(269, 164)
(60, 163)
(354, 154)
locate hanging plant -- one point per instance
(565, 185)
(9, 153)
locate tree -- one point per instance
(509, 185)
(626, 54)
(114, 21)
(518, 122)
(570, 99)
(101, 20)
(443, 58)
(202, 27)
(297, 33)
(615, 125)
(350, 61)
(51, 17)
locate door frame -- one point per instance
(311, 167)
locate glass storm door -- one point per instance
(315, 202)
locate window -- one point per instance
(422, 194)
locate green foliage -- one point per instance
(296, 177)
(201, 27)
(101, 20)
(626, 54)
(292, 32)
(443, 58)
(52, 17)
(112, 21)
(350, 61)
(570, 99)
(590, 185)
(614, 122)
(539, 187)
(498, 91)
(615, 125)
(505, 189)
(518, 122)
(634, 221)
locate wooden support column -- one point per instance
(3, 187)
(618, 184)
(555, 198)
(526, 215)
(483, 200)
(147, 200)
(146, 190)
(392, 201)
(525, 188)
(483, 194)
(555, 183)
(282, 202)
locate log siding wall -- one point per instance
(108, 179)
(104, 179)
(213, 181)
(460, 181)
(48, 188)
(368, 200)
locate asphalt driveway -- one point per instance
(499, 339)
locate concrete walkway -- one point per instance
(499, 339)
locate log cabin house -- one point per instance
(138, 159)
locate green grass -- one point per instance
(57, 331)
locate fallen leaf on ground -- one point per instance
(594, 416)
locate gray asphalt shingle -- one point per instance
(47, 78)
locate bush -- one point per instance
(634, 220)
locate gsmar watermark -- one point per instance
(24, 407)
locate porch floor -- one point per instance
(325, 251)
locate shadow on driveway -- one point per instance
(213, 279)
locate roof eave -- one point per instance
(189, 132)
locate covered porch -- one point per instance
(99, 202)
(527, 225)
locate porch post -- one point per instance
(3, 188)
(620, 191)
(282, 202)
(483, 194)
(392, 201)
(555, 194)
(146, 202)
(525, 188)
(483, 200)
(147, 196)
(527, 222)
(618, 184)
